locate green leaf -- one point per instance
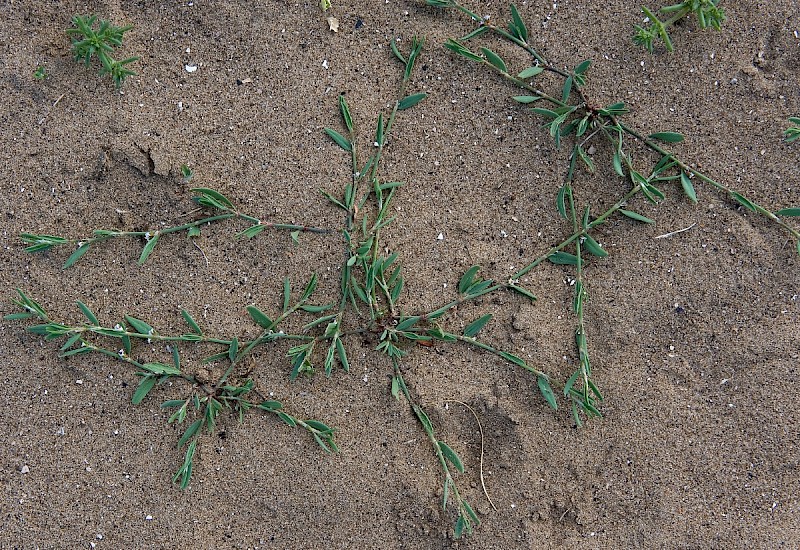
(270, 406)
(148, 249)
(408, 322)
(395, 388)
(260, 317)
(545, 112)
(185, 471)
(547, 392)
(495, 60)
(190, 432)
(287, 289)
(75, 256)
(160, 368)
(310, 288)
(788, 212)
(88, 312)
(475, 326)
(193, 231)
(233, 350)
(517, 26)
(567, 89)
(466, 280)
(524, 99)
(145, 385)
(213, 198)
(571, 382)
(561, 202)
(594, 247)
(530, 72)
(583, 67)
(191, 322)
(617, 161)
(451, 456)
(459, 528)
(290, 421)
(744, 201)
(345, 110)
(340, 140)
(340, 351)
(667, 137)
(139, 326)
(513, 359)
(409, 101)
(563, 258)
(634, 216)
(459, 49)
(688, 188)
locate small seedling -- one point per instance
(40, 73)
(88, 41)
(792, 132)
(708, 15)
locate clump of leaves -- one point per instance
(101, 40)
(40, 73)
(708, 13)
(792, 132)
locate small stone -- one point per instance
(24, 469)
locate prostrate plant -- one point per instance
(204, 399)
(206, 198)
(792, 132)
(570, 112)
(88, 41)
(708, 15)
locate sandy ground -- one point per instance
(694, 338)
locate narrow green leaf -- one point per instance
(518, 25)
(744, 201)
(259, 317)
(446, 493)
(545, 112)
(190, 432)
(467, 278)
(88, 312)
(287, 289)
(524, 99)
(474, 327)
(530, 72)
(788, 212)
(345, 110)
(459, 528)
(270, 406)
(395, 388)
(571, 382)
(583, 67)
(567, 89)
(148, 249)
(513, 359)
(288, 419)
(160, 368)
(145, 385)
(451, 456)
(75, 256)
(214, 195)
(594, 247)
(563, 258)
(524, 292)
(310, 288)
(667, 137)
(234, 349)
(688, 188)
(634, 216)
(617, 161)
(340, 351)
(495, 60)
(379, 131)
(340, 140)
(408, 323)
(409, 101)
(191, 322)
(547, 392)
(561, 202)
(139, 326)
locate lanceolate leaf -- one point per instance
(475, 326)
(340, 140)
(409, 101)
(594, 247)
(75, 256)
(563, 258)
(788, 212)
(451, 456)
(547, 391)
(259, 317)
(634, 216)
(143, 389)
(495, 60)
(530, 72)
(688, 188)
(667, 137)
(148, 249)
